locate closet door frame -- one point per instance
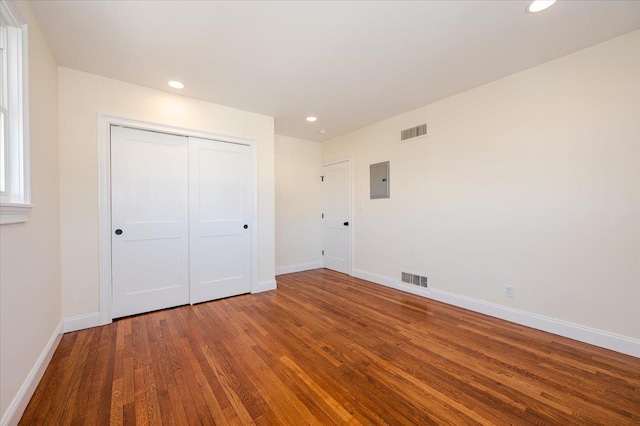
(104, 197)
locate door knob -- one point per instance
(346, 224)
(246, 226)
(118, 231)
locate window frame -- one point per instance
(4, 154)
(15, 202)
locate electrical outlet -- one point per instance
(509, 290)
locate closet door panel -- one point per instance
(149, 218)
(219, 212)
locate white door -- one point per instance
(149, 218)
(336, 234)
(219, 211)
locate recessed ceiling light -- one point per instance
(176, 84)
(539, 5)
(311, 119)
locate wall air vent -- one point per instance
(414, 132)
(418, 280)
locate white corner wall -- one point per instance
(82, 97)
(532, 181)
(30, 252)
(298, 204)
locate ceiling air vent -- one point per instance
(414, 132)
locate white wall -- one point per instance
(30, 252)
(298, 204)
(532, 180)
(82, 97)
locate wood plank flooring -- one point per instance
(329, 349)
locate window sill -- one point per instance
(14, 213)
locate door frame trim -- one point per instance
(349, 162)
(105, 121)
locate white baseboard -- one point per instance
(298, 267)
(603, 339)
(265, 286)
(15, 410)
(81, 322)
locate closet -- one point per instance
(180, 215)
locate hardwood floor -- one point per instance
(329, 349)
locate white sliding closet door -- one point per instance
(219, 214)
(150, 223)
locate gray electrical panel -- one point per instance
(379, 180)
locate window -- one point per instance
(15, 197)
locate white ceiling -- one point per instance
(350, 63)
